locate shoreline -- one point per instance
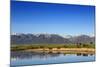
(62, 50)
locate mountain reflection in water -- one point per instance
(29, 55)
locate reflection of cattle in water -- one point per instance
(79, 54)
(84, 54)
(41, 55)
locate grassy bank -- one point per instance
(48, 47)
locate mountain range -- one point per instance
(49, 39)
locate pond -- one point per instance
(20, 58)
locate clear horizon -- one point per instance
(63, 35)
(29, 17)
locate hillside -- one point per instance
(49, 39)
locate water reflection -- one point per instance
(84, 54)
(41, 55)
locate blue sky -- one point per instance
(35, 17)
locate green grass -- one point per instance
(50, 46)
